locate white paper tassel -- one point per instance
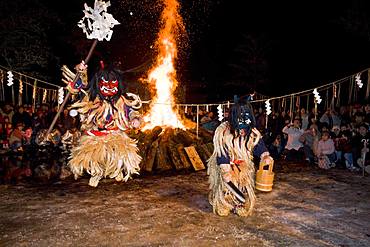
(220, 113)
(10, 79)
(60, 95)
(268, 107)
(317, 96)
(358, 80)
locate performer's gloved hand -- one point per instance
(226, 172)
(68, 77)
(135, 119)
(135, 123)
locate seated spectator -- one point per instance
(208, 122)
(304, 118)
(336, 135)
(358, 145)
(331, 118)
(207, 117)
(276, 147)
(367, 113)
(345, 147)
(293, 147)
(326, 151)
(16, 138)
(310, 139)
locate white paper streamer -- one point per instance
(60, 95)
(358, 80)
(317, 96)
(220, 113)
(99, 22)
(10, 79)
(268, 107)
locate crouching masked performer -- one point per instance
(106, 111)
(230, 168)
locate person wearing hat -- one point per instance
(230, 167)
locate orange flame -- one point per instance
(163, 74)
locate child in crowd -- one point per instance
(16, 138)
(326, 151)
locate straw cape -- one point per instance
(105, 156)
(220, 197)
(109, 152)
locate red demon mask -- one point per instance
(108, 88)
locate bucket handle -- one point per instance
(262, 165)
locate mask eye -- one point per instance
(103, 80)
(114, 83)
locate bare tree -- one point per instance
(24, 32)
(250, 66)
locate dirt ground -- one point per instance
(307, 207)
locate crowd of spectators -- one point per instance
(19, 125)
(335, 137)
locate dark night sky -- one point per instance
(301, 44)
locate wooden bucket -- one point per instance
(265, 178)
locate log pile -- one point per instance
(162, 149)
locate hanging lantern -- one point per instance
(268, 107)
(10, 78)
(220, 113)
(358, 80)
(60, 95)
(317, 96)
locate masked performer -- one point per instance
(106, 111)
(231, 167)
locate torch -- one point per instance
(97, 24)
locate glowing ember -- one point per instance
(163, 75)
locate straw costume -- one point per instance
(106, 111)
(230, 168)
